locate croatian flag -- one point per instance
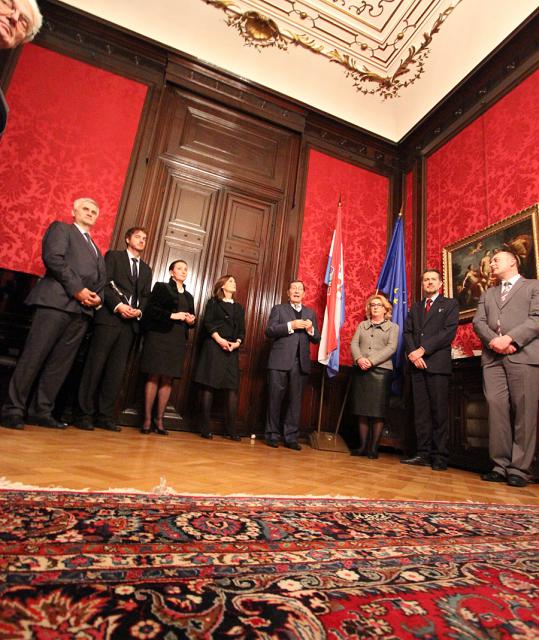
(330, 342)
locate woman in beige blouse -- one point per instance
(373, 344)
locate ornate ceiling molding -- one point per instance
(382, 45)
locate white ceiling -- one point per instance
(471, 31)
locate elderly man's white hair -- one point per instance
(81, 200)
(38, 20)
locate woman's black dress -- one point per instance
(164, 339)
(217, 368)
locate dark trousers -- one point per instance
(512, 393)
(430, 414)
(104, 370)
(47, 357)
(278, 383)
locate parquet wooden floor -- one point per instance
(101, 460)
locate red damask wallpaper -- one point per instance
(484, 174)
(408, 228)
(70, 133)
(365, 197)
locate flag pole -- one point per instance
(321, 404)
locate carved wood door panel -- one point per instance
(216, 195)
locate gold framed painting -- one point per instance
(466, 263)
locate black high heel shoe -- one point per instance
(207, 436)
(159, 430)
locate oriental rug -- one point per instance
(107, 566)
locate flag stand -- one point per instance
(325, 440)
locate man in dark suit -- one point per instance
(20, 20)
(507, 321)
(129, 282)
(292, 327)
(65, 299)
(429, 330)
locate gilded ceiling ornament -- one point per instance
(261, 31)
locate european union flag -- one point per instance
(392, 283)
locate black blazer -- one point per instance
(433, 331)
(164, 301)
(119, 270)
(225, 318)
(285, 345)
(71, 266)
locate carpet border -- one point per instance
(163, 490)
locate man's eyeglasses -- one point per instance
(24, 22)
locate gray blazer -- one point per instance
(375, 342)
(285, 345)
(518, 316)
(71, 266)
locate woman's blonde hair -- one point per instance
(385, 303)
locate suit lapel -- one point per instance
(518, 284)
(433, 310)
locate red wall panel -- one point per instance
(70, 133)
(484, 174)
(408, 228)
(365, 197)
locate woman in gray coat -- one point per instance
(373, 345)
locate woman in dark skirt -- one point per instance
(374, 343)
(167, 319)
(218, 364)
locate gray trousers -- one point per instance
(512, 393)
(47, 357)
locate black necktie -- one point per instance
(135, 282)
(90, 244)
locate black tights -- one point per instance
(231, 410)
(370, 435)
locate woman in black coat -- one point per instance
(218, 364)
(168, 316)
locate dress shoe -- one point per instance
(160, 431)
(516, 481)
(272, 443)
(234, 437)
(493, 476)
(12, 422)
(85, 423)
(293, 445)
(439, 466)
(418, 461)
(46, 421)
(358, 452)
(372, 455)
(145, 430)
(207, 436)
(108, 425)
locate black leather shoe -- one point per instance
(108, 425)
(357, 452)
(293, 445)
(272, 444)
(12, 422)
(516, 481)
(418, 461)
(235, 437)
(439, 466)
(85, 423)
(47, 421)
(372, 455)
(207, 436)
(493, 476)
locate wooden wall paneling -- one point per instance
(215, 194)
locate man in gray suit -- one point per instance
(507, 321)
(20, 20)
(292, 327)
(65, 299)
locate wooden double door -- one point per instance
(218, 194)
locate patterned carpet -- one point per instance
(106, 566)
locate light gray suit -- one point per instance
(511, 382)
